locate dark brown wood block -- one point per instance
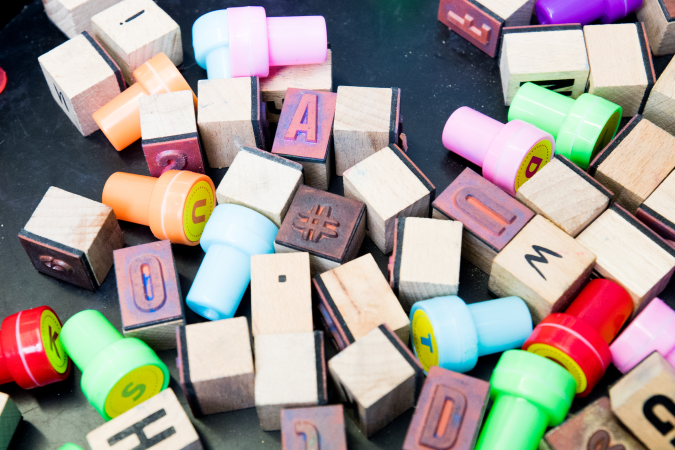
(318, 428)
(173, 153)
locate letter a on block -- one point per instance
(304, 120)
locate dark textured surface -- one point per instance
(375, 43)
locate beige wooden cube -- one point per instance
(73, 17)
(660, 108)
(659, 19)
(658, 211)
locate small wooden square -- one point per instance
(425, 261)
(659, 19)
(216, 365)
(378, 377)
(10, 417)
(330, 227)
(290, 373)
(658, 211)
(74, 17)
(544, 266)
(391, 186)
(366, 120)
(72, 238)
(305, 133)
(133, 31)
(552, 56)
(491, 217)
(82, 78)
(565, 195)
(660, 108)
(321, 427)
(355, 298)
(230, 117)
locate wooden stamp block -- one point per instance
(659, 19)
(261, 181)
(644, 400)
(315, 77)
(378, 377)
(449, 412)
(355, 298)
(595, 427)
(565, 195)
(480, 21)
(74, 17)
(304, 133)
(491, 217)
(391, 186)
(544, 266)
(366, 120)
(658, 211)
(552, 56)
(330, 227)
(169, 133)
(425, 261)
(625, 81)
(151, 300)
(215, 364)
(634, 164)
(230, 116)
(321, 427)
(158, 423)
(72, 238)
(630, 254)
(290, 373)
(281, 294)
(82, 78)
(660, 108)
(10, 416)
(133, 31)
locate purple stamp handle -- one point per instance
(550, 12)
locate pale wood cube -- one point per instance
(660, 108)
(659, 19)
(10, 417)
(658, 211)
(73, 17)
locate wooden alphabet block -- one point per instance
(215, 364)
(425, 261)
(660, 108)
(133, 31)
(330, 227)
(321, 427)
(158, 423)
(74, 17)
(544, 266)
(644, 400)
(480, 21)
(354, 298)
(491, 217)
(82, 78)
(565, 195)
(151, 300)
(72, 238)
(10, 416)
(630, 254)
(391, 186)
(378, 377)
(658, 211)
(169, 133)
(659, 19)
(449, 412)
(634, 164)
(552, 56)
(230, 116)
(290, 373)
(366, 120)
(304, 133)
(281, 294)
(261, 181)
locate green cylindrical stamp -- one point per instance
(70, 446)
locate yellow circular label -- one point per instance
(536, 158)
(561, 358)
(424, 340)
(133, 389)
(50, 331)
(198, 208)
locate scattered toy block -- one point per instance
(321, 427)
(660, 108)
(658, 211)
(10, 417)
(658, 17)
(72, 18)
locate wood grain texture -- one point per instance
(73, 17)
(321, 428)
(660, 108)
(660, 26)
(10, 416)
(514, 12)
(660, 208)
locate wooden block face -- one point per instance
(281, 294)
(552, 56)
(149, 293)
(9, 419)
(391, 186)
(660, 108)
(133, 31)
(355, 299)
(544, 266)
(158, 423)
(366, 120)
(565, 195)
(82, 78)
(658, 211)
(229, 118)
(426, 259)
(73, 17)
(216, 365)
(658, 17)
(321, 427)
(490, 216)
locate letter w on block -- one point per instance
(531, 259)
(304, 120)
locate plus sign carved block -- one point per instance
(321, 427)
(74, 17)
(660, 108)
(659, 19)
